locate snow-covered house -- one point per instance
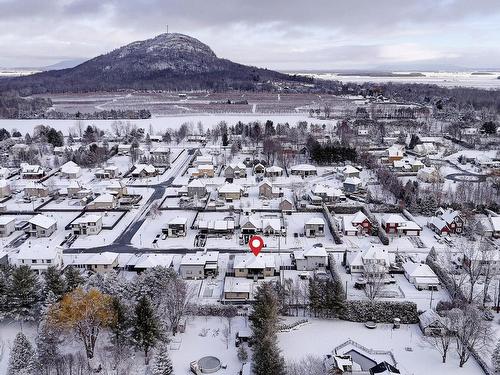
(199, 265)
(124, 149)
(374, 260)
(117, 188)
(203, 170)
(31, 172)
(259, 169)
(311, 259)
(71, 170)
(4, 189)
(273, 171)
(421, 276)
(326, 193)
(219, 227)
(177, 227)
(236, 170)
(144, 170)
(396, 224)
(431, 323)
(141, 262)
(315, 227)
(268, 190)
(203, 159)
(196, 188)
(395, 152)
(230, 192)
(251, 266)
(452, 218)
(160, 151)
(41, 226)
(286, 205)
(7, 225)
(87, 224)
(350, 171)
(104, 201)
(101, 263)
(352, 184)
(40, 258)
(267, 225)
(237, 289)
(425, 148)
(73, 188)
(36, 190)
(111, 171)
(353, 225)
(304, 170)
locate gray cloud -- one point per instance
(277, 33)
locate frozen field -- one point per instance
(446, 79)
(159, 124)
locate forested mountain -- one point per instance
(168, 62)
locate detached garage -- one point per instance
(421, 276)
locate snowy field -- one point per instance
(445, 79)
(162, 123)
(414, 356)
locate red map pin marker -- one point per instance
(256, 244)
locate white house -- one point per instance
(374, 260)
(40, 258)
(230, 191)
(71, 170)
(104, 202)
(144, 170)
(87, 224)
(41, 226)
(7, 225)
(31, 171)
(421, 275)
(311, 259)
(177, 227)
(304, 170)
(315, 227)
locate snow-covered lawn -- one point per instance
(320, 337)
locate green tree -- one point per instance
(22, 357)
(73, 278)
(24, 294)
(267, 358)
(145, 327)
(54, 282)
(162, 365)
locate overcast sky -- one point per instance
(279, 34)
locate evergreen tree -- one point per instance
(73, 279)
(146, 328)
(54, 282)
(4, 290)
(162, 365)
(21, 361)
(267, 358)
(495, 359)
(120, 327)
(225, 141)
(47, 347)
(24, 294)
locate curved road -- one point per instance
(122, 244)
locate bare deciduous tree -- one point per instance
(472, 332)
